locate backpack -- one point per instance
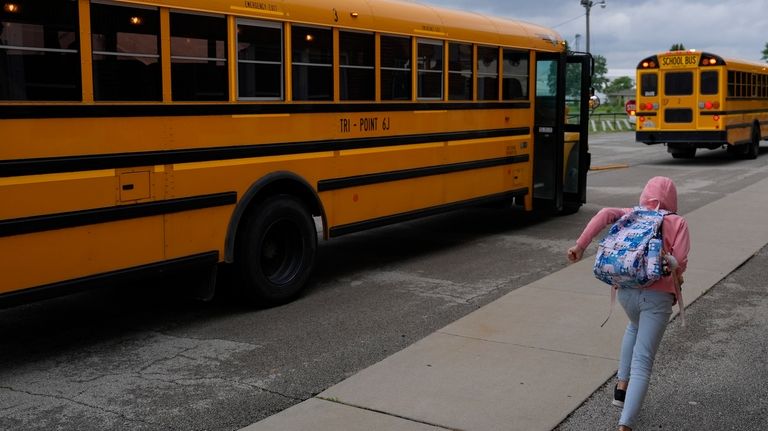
(630, 255)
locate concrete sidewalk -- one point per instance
(525, 361)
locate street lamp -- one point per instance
(588, 5)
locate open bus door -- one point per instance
(576, 162)
(561, 115)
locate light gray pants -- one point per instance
(648, 312)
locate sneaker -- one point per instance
(618, 396)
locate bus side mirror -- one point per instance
(594, 102)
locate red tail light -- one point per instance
(716, 105)
(708, 105)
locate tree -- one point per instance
(573, 78)
(599, 81)
(765, 52)
(617, 85)
(677, 47)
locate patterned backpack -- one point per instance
(630, 255)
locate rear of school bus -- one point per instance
(686, 100)
(676, 92)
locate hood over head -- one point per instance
(659, 192)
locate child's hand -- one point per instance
(575, 253)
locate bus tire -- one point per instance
(570, 208)
(276, 251)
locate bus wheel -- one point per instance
(277, 250)
(570, 208)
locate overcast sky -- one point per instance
(626, 31)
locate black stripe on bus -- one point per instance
(746, 99)
(48, 222)
(24, 111)
(734, 112)
(410, 215)
(54, 290)
(382, 177)
(9, 168)
(646, 114)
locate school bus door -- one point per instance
(560, 167)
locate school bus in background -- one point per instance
(689, 100)
(141, 137)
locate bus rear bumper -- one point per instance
(695, 139)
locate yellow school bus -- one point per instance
(689, 100)
(140, 137)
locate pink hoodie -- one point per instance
(659, 192)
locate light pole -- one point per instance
(588, 5)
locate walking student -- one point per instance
(649, 308)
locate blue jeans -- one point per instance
(648, 312)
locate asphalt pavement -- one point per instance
(536, 359)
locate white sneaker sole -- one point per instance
(618, 403)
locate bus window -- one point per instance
(357, 71)
(573, 96)
(459, 71)
(487, 73)
(126, 52)
(39, 51)
(259, 60)
(430, 69)
(753, 85)
(395, 68)
(545, 125)
(731, 83)
(312, 50)
(709, 82)
(515, 75)
(198, 57)
(742, 89)
(678, 83)
(737, 84)
(649, 84)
